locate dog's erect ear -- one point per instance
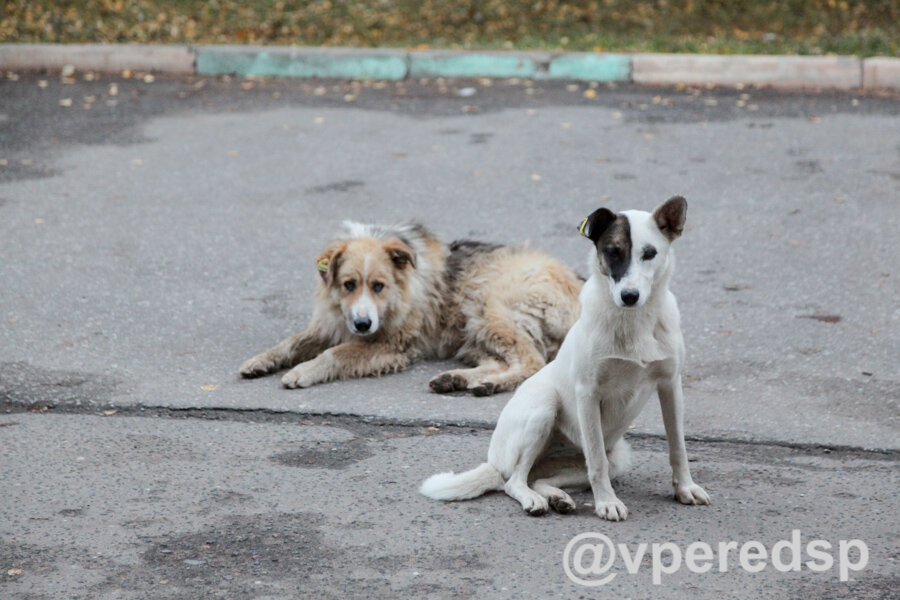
(595, 224)
(670, 216)
(401, 254)
(327, 262)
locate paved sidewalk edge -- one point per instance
(822, 72)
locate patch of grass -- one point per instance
(861, 27)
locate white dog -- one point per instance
(626, 345)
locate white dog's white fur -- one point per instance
(626, 345)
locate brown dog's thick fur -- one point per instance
(392, 295)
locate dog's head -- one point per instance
(633, 247)
(366, 277)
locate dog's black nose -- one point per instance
(630, 297)
(362, 325)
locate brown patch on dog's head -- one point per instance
(611, 234)
(670, 217)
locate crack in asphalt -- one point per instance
(354, 422)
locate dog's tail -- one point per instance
(462, 486)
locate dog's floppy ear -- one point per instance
(327, 262)
(401, 254)
(595, 224)
(670, 216)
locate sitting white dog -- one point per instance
(626, 344)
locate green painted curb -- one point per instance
(590, 67)
(472, 65)
(301, 64)
(345, 63)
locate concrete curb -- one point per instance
(823, 72)
(881, 73)
(97, 57)
(833, 72)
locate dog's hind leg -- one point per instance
(506, 338)
(459, 379)
(550, 487)
(521, 437)
(295, 349)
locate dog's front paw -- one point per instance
(613, 510)
(300, 376)
(691, 494)
(259, 365)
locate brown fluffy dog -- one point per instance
(392, 295)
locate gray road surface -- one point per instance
(155, 234)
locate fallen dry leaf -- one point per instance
(209, 388)
(14, 572)
(822, 318)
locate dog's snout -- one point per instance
(362, 325)
(630, 297)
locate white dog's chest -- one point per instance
(622, 389)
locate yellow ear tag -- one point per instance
(322, 265)
(583, 225)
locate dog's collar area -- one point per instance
(323, 264)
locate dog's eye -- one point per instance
(349, 285)
(649, 253)
(613, 253)
(377, 287)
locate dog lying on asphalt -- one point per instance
(391, 295)
(626, 344)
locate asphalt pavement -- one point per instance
(157, 231)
